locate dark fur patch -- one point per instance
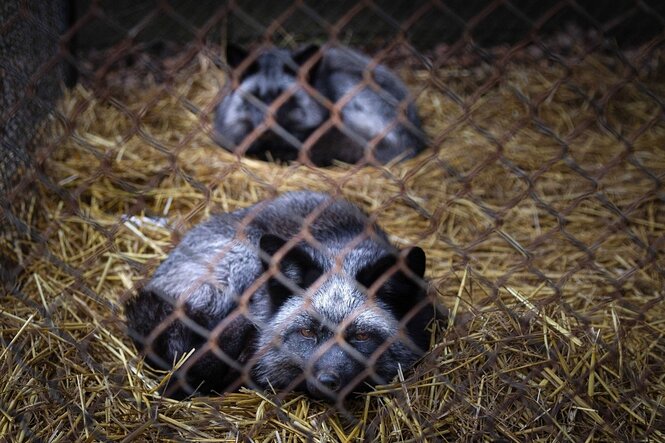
(298, 269)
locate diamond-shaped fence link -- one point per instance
(332, 221)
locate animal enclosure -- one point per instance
(538, 201)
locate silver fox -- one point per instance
(261, 306)
(381, 110)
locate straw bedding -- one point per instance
(540, 209)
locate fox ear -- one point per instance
(416, 261)
(235, 55)
(297, 267)
(302, 56)
(400, 290)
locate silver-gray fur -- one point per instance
(319, 330)
(383, 108)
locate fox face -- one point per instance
(278, 129)
(337, 332)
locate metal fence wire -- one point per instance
(332, 221)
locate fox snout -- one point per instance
(333, 372)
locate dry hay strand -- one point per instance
(540, 209)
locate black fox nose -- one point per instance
(329, 380)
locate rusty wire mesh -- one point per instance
(537, 199)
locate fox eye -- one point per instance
(307, 333)
(361, 336)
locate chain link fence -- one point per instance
(414, 221)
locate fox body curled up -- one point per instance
(264, 307)
(378, 118)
